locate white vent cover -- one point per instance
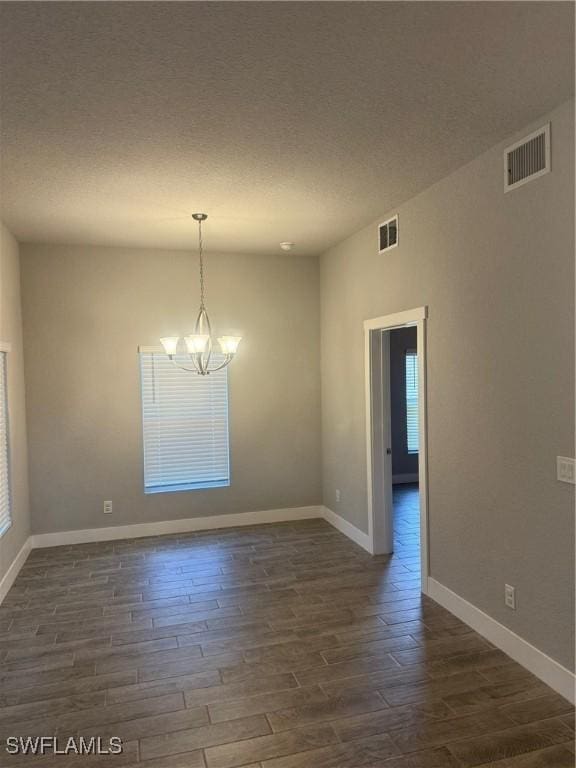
(527, 159)
(388, 234)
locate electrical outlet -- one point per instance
(337, 495)
(510, 596)
(565, 470)
(107, 507)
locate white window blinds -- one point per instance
(185, 421)
(412, 439)
(5, 500)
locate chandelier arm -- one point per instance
(200, 369)
(197, 360)
(222, 365)
(204, 320)
(183, 368)
(196, 369)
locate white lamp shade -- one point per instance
(196, 342)
(170, 344)
(229, 344)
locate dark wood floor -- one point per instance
(281, 646)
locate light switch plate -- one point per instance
(510, 596)
(565, 469)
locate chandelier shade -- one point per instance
(229, 344)
(170, 344)
(196, 342)
(199, 344)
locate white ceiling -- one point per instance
(283, 121)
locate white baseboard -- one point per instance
(10, 576)
(187, 525)
(549, 671)
(410, 477)
(349, 530)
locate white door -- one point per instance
(381, 443)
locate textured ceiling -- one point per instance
(284, 121)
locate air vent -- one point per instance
(527, 159)
(388, 234)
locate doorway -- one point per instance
(404, 442)
(396, 444)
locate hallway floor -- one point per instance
(406, 504)
(279, 646)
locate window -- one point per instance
(185, 426)
(412, 439)
(5, 496)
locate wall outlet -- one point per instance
(337, 495)
(565, 469)
(510, 596)
(107, 507)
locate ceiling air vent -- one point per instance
(388, 234)
(527, 159)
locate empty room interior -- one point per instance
(287, 384)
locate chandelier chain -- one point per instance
(201, 254)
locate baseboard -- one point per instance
(549, 671)
(349, 530)
(409, 477)
(10, 576)
(139, 530)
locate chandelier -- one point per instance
(199, 344)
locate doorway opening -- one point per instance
(404, 442)
(395, 353)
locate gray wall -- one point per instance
(401, 340)
(87, 309)
(11, 331)
(497, 273)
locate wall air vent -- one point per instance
(388, 234)
(527, 159)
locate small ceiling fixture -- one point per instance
(287, 246)
(199, 343)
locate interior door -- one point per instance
(381, 443)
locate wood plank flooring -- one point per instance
(280, 646)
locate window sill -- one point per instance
(186, 487)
